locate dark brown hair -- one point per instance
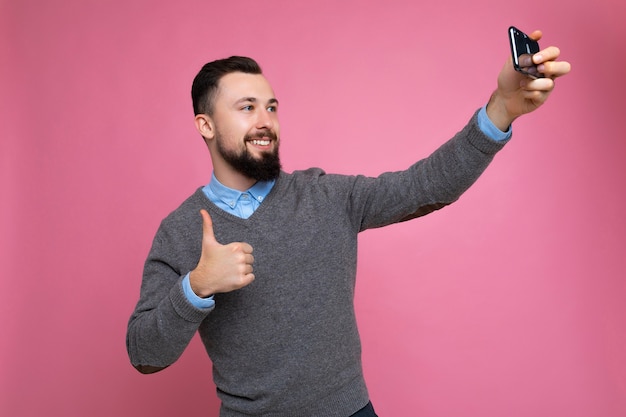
(205, 84)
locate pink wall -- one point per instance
(510, 302)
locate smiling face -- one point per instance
(242, 131)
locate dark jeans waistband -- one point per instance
(367, 411)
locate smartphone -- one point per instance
(522, 45)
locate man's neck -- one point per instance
(234, 180)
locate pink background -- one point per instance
(508, 303)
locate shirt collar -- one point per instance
(261, 189)
(231, 196)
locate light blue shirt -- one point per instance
(238, 203)
(488, 128)
(244, 203)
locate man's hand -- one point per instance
(222, 268)
(518, 94)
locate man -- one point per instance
(263, 263)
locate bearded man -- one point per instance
(279, 325)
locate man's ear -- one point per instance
(205, 126)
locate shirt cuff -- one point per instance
(193, 298)
(488, 128)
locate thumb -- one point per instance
(208, 235)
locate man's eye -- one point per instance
(247, 108)
(272, 109)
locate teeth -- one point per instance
(261, 142)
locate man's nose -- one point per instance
(265, 119)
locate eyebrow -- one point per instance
(254, 100)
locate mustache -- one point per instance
(260, 134)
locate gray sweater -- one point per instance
(287, 345)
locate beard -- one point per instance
(265, 168)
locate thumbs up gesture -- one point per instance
(222, 268)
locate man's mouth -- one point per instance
(261, 139)
(261, 142)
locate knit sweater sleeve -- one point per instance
(164, 321)
(428, 185)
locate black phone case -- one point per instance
(522, 44)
